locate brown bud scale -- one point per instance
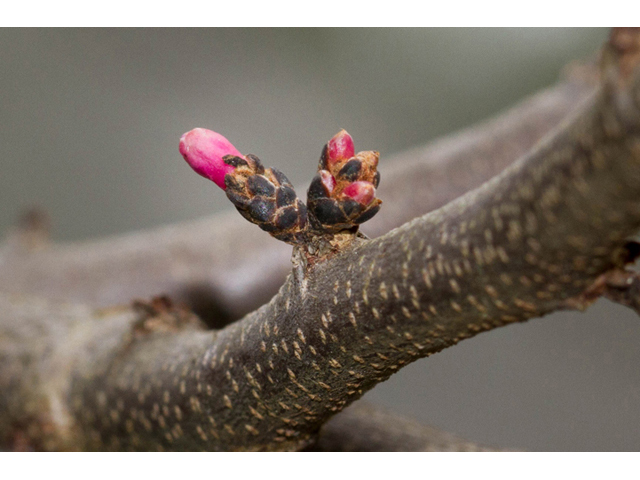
(266, 197)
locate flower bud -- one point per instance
(204, 150)
(362, 192)
(340, 147)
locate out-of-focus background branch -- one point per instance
(90, 123)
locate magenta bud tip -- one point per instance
(341, 147)
(362, 192)
(203, 150)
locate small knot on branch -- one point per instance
(160, 314)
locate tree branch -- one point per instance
(226, 282)
(528, 242)
(363, 428)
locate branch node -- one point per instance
(160, 314)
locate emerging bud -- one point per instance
(362, 192)
(204, 150)
(342, 195)
(340, 147)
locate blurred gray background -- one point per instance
(89, 128)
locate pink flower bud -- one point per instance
(362, 192)
(203, 150)
(340, 147)
(327, 180)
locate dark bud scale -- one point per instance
(266, 197)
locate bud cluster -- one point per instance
(341, 195)
(343, 192)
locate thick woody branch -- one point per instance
(37, 359)
(228, 281)
(522, 245)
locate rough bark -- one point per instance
(537, 238)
